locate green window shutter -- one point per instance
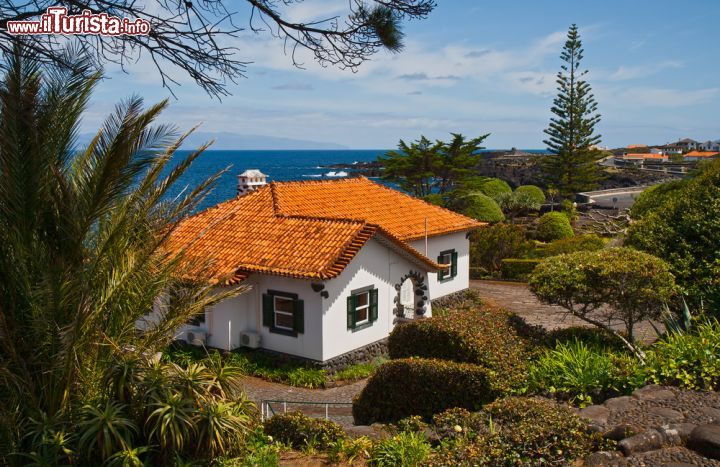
(441, 273)
(373, 305)
(268, 310)
(453, 269)
(351, 317)
(299, 316)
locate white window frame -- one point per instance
(291, 314)
(365, 307)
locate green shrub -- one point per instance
(299, 431)
(577, 371)
(413, 423)
(586, 242)
(532, 192)
(524, 431)
(406, 449)
(491, 244)
(690, 360)
(412, 386)
(494, 186)
(654, 197)
(684, 230)
(634, 285)
(483, 208)
(458, 423)
(478, 334)
(518, 269)
(553, 226)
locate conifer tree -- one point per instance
(571, 133)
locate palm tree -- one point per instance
(81, 247)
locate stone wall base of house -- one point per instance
(363, 354)
(453, 299)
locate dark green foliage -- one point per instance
(423, 167)
(483, 208)
(525, 431)
(690, 359)
(533, 192)
(424, 387)
(300, 431)
(571, 133)
(684, 230)
(634, 285)
(473, 333)
(553, 226)
(656, 196)
(460, 423)
(490, 245)
(586, 242)
(518, 269)
(594, 337)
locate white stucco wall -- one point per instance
(375, 265)
(454, 241)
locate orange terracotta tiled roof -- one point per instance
(273, 231)
(702, 154)
(359, 198)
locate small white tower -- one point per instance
(250, 180)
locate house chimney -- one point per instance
(249, 181)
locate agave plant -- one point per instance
(106, 431)
(170, 424)
(220, 426)
(82, 230)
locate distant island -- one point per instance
(225, 141)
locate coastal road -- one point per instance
(620, 198)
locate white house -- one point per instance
(331, 265)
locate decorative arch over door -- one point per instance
(411, 297)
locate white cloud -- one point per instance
(667, 98)
(640, 71)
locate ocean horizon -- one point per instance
(278, 165)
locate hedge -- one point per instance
(587, 242)
(297, 430)
(424, 387)
(517, 269)
(477, 334)
(554, 226)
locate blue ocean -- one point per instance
(277, 165)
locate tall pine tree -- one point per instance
(571, 133)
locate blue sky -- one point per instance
(472, 67)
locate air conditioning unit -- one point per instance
(250, 339)
(196, 337)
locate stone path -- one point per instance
(517, 297)
(659, 426)
(258, 389)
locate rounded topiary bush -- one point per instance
(414, 386)
(494, 187)
(553, 226)
(531, 192)
(483, 208)
(297, 430)
(478, 334)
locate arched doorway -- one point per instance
(411, 298)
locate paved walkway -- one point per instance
(258, 389)
(516, 297)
